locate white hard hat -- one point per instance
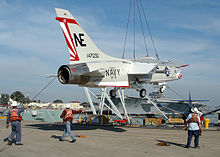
(67, 105)
(195, 110)
(14, 103)
(192, 110)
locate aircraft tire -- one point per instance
(161, 90)
(143, 93)
(112, 93)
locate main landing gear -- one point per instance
(136, 85)
(112, 93)
(143, 92)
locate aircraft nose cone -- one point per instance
(180, 76)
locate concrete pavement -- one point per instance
(41, 140)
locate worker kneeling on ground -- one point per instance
(67, 116)
(193, 124)
(15, 118)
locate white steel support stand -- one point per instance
(155, 105)
(122, 98)
(90, 100)
(101, 106)
(99, 100)
(113, 106)
(104, 95)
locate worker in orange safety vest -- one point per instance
(14, 118)
(67, 116)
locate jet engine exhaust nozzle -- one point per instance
(64, 74)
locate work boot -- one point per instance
(9, 142)
(186, 147)
(73, 141)
(19, 144)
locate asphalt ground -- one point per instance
(41, 139)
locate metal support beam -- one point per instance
(90, 100)
(155, 105)
(102, 100)
(122, 98)
(113, 108)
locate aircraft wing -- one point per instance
(161, 62)
(138, 68)
(172, 64)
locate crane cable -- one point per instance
(151, 37)
(145, 42)
(134, 29)
(126, 33)
(134, 35)
(43, 89)
(175, 92)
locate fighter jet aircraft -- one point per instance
(90, 67)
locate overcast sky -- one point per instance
(32, 43)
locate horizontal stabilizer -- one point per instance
(50, 75)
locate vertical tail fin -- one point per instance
(80, 46)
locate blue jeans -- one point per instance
(15, 129)
(192, 133)
(67, 129)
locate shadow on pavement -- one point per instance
(55, 136)
(172, 143)
(60, 127)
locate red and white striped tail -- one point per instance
(64, 22)
(80, 46)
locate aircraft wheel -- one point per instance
(162, 89)
(112, 93)
(143, 93)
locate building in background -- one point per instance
(75, 105)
